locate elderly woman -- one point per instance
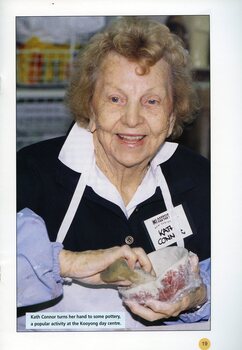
(114, 174)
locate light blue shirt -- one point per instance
(38, 270)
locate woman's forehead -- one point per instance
(119, 67)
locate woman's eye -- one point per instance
(115, 99)
(152, 101)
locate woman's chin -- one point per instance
(132, 161)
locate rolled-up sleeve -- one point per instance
(38, 270)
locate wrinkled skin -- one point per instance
(154, 310)
(132, 117)
(86, 266)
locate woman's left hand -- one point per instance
(155, 310)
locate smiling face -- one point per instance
(132, 112)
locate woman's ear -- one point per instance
(92, 123)
(171, 122)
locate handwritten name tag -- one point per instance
(161, 228)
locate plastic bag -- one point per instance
(177, 274)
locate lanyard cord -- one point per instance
(161, 182)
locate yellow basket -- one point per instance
(43, 67)
(41, 64)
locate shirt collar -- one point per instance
(167, 149)
(78, 150)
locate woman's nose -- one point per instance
(132, 115)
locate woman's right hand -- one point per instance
(86, 266)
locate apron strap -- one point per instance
(74, 203)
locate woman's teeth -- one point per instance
(131, 137)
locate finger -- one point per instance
(171, 309)
(143, 260)
(165, 308)
(193, 259)
(144, 311)
(115, 253)
(186, 302)
(129, 254)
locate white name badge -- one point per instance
(161, 230)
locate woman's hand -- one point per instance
(86, 266)
(155, 310)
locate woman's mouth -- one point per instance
(131, 139)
